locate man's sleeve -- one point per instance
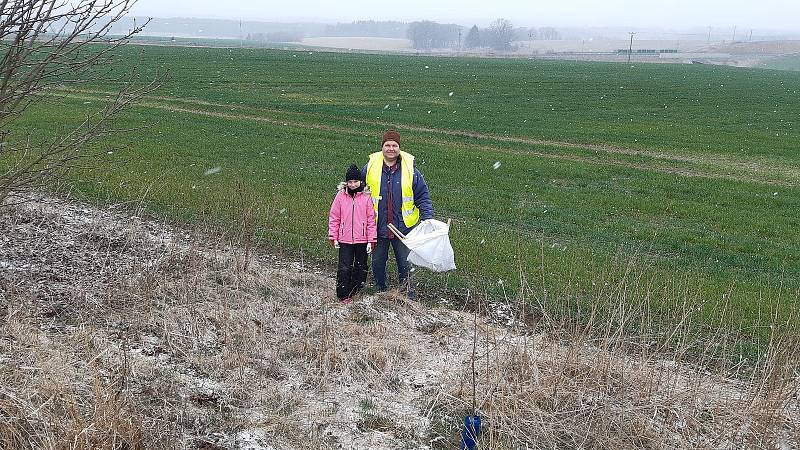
(364, 173)
(422, 197)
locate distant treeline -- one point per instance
(424, 35)
(500, 35)
(192, 27)
(427, 35)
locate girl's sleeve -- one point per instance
(372, 227)
(334, 219)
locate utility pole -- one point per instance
(751, 35)
(709, 35)
(630, 49)
(734, 34)
(459, 39)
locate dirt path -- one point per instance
(744, 170)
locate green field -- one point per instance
(675, 184)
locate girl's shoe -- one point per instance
(346, 301)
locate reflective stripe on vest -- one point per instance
(409, 210)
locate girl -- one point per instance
(351, 229)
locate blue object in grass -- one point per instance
(470, 433)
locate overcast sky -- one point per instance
(745, 14)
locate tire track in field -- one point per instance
(719, 160)
(724, 161)
(217, 114)
(680, 171)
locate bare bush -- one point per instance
(46, 43)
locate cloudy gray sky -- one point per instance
(760, 14)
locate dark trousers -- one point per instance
(380, 256)
(352, 271)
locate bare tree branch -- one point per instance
(46, 43)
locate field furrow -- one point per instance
(686, 166)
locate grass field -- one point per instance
(674, 186)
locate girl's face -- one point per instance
(353, 184)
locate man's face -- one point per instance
(391, 150)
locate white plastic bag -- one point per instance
(430, 247)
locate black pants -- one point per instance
(352, 272)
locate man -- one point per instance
(400, 196)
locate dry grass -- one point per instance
(123, 333)
(550, 394)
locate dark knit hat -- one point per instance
(391, 135)
(353, 173)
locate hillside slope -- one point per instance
(123, 332)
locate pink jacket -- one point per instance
(352, 219)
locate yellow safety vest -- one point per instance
(374, 171)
